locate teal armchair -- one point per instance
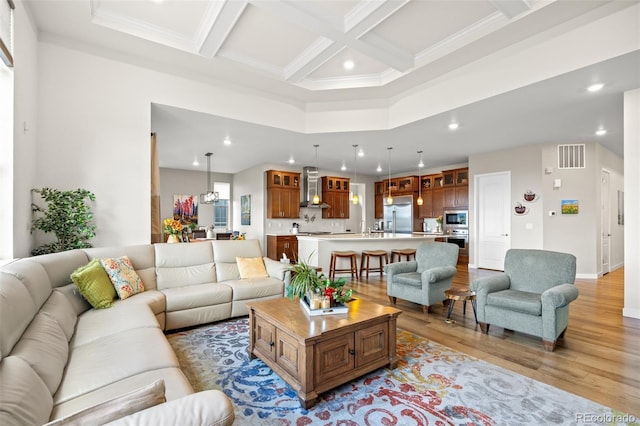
(532, 295)
(425, 279)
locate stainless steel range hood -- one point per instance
(310, 187)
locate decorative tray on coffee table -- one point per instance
(337, 308)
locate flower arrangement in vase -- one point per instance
(439, 222)
(173, 228)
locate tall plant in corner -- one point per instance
(67, 215)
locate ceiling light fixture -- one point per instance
(227, 141)
(361, 153)
(210, 196)
(195, 162)
(355, 199)
(453, 126)
(343, 167)
(379, 168)
(316, 197)
(348, 64)
(596, 87)
(601, 132)
(389, 197)
(291, 160)
(420, 201)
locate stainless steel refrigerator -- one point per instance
(398, 217)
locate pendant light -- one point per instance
(389, 197)
(210, 196)
(316, 197)
(420, 201)
(355, 199)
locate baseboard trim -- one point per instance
(588, 276)
(631, 313)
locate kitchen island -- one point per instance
(316, 249)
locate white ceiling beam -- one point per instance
(313, 57)
(221, 18)
(512, 8)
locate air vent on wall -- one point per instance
(571, 156)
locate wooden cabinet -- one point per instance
(431, 187)
(283, 194)
(335, 192)
(278, 244)
(378, 211)
(312, 362)
(456, 183)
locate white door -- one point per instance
(493, 219)
(605, 223)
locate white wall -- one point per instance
(632, 204)
(94, 132)
(576, 234)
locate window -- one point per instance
(6, 30)
(221, 207)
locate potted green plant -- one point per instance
(336, 290)
(67, 215)
(304, 280)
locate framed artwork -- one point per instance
(570, 206)
(245, 210)
(185, 209)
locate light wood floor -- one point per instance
(598, 359)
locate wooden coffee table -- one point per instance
(463, 294)
(316, 353)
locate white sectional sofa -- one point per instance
(59, 356)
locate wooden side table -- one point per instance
(463, 294)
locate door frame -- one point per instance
(476, 213)
(605, 221)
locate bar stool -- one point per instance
(368, 254)
(403, 252)
(353, 261)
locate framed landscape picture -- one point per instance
(185, 209)
(570, 206)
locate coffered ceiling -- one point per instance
(295, 51)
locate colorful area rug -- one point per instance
(432, 385)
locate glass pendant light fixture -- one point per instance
(210, 196)
(355, 199)
(420, 201)
(389, 197)
(316, 197)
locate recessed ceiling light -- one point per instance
(453, 126)
(595, 87)
(361, 153)
(379, 169)
(348, 64)
(601, 132)
(227, 141)
(291, 160)
(196, 162)
(344, 167)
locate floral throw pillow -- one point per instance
(124, 278)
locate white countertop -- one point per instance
(361, 237)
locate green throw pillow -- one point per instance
(94, 284)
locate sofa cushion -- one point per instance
(59, 266)
(154, 299)
(142, 256)
(195, 296)
(25, 399)
(45, 348)
(515, 300)
(96, 324)
(34, 277)
(113, 358)
(251, 267)
(16, 311)
(61, 310)
(176, 386)
(94, 284)
(124, 278)
(179, 265)
(254, 288)
(227, 271)
(116, 408)
(409, 278)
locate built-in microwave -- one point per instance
(456, 219)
